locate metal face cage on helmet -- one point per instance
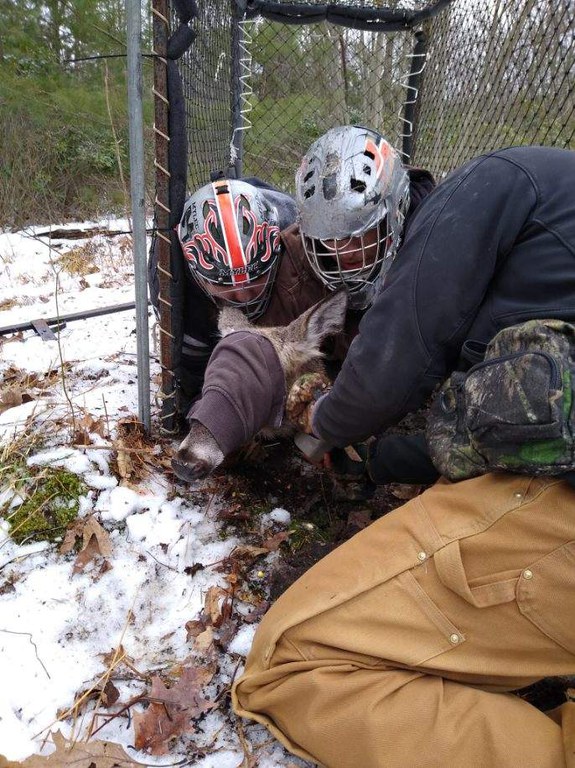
(230, 237)
(352, 192)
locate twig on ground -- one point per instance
(28, 634)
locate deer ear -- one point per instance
(326, 318)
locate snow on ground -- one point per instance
(66, 628)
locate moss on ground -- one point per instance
(51, 500)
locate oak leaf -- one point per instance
(96, 543)
(172, 710)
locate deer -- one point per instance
(297, 348)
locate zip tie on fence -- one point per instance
(404, 82)
(161, 133)
(169, 335)
(161, 16)
(246, 90)
(161, 167)
(160, 95)
(165, 207)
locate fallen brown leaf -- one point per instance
(172, 710)
(194, 628)
(92, 754)
(214, 613)
(87, 527)
(11, 397)
(274, 541)
(96, 543)
(226, 632)
(204, 641)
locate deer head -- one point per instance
(258, 365)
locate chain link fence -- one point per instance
(206, 78)
(498, 73)
(262, 80)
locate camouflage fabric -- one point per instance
(512, 412)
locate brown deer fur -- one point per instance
(298, 348)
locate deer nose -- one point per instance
(190, 470)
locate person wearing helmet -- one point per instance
(490, 247)
(230, 237)
(242, 249)
(353, 196)
(356, 199)
(256, 232)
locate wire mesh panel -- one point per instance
(499, 72)
(206, 78)
(260, 90)
(310, 78)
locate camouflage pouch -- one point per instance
(513, 411)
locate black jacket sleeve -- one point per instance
(410, 339)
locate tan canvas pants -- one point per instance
(398, 649)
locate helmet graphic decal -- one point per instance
(235, 252)
(381, 154)
(210, 244)
(236, 245)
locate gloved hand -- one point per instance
(351, 460)
(349, 470)
(347, 466)
(302, 397)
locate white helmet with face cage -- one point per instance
(352, 192)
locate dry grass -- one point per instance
(79, 261)
(100, 255)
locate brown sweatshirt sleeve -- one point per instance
(244, 390)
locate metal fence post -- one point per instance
(161, 23)
(137, 189)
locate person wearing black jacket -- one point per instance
(492, 246)
(219, 251)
